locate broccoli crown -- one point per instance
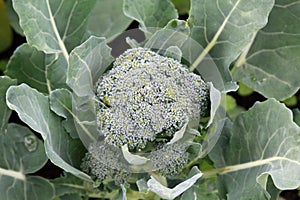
(146, 95)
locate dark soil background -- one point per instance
(50, 171)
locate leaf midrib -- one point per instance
(238, 167)
(213, 42)
(59, 40)
(14, 174)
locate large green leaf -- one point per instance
(13, 17)
(33, 108)
(84, 111)
(27, 65)
(273, 59)
(183, 6)
(107, 19)
(37, 69)
(87, 62)
(5, 112)
(61, 104)
(21, 150)
(175, 33)
(22, 153)
(261, 142)
(150, 13)
(33, 188)
(199, 192)
(296, 113)
(69, 185)
(224, 28)
(55, 26)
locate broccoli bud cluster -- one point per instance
(170, 159)
(146, 94)
(105, 162)
(142, 102)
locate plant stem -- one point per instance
(234, 168)
(59, 40)
(242, 59)
(11, 173)
(212, 43)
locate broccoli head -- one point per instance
(146, 95)
(143, 101)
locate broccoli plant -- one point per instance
(152, 99)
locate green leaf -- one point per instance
(33, 188)
(87, 62)
(71, 197)
(61, 104)
(182, 6)
(33, 108)
(21, 150)
(232, 109)
(132, 158)
(69, 184)
(27, 65)
(5, 112)
(22, 153)
(215, 97)
(199, 192)
(55, 26)
(173, 52)
(107, 19)
(3, 64)
(5, 30)
(84, 109)
(224, 28)
(262, 142)
(296, 113)
(167, 193)
(37, 69)
(122, 193)
(175, 33)
(150, 13)
(273, 59)
(178, 134)
(292, 101)
(13, 18)
(244, 90)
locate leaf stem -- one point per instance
(60, 42)
(214, 40)
(14, 174)
(234, 168)
(242, 59)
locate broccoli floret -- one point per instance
(104, 161)
(169, 159)
(146, 95)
